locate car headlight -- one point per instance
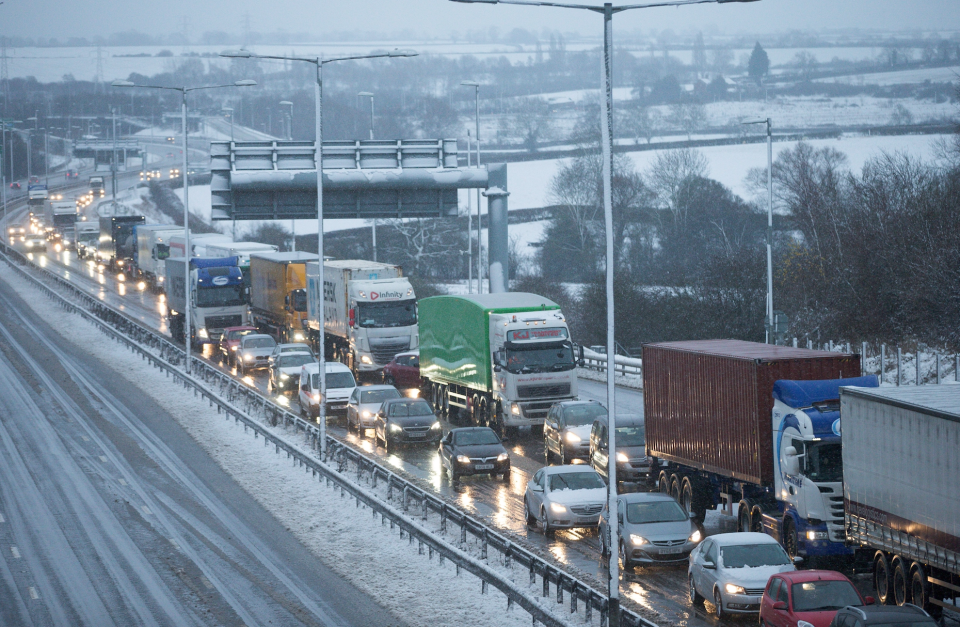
(816, 535)
(248, 357)
(502, 457)
(463, 459)
(284, 377)
(514, 409)
(695, 536)
(395, 427)
(316, 398)
(365, 414)
(622, 458)
(435, 426)
(637, 540)
(202, 332)
(233, 348)
(298, 337)
(732, 589)
(572, 437)
(557, 508)
(365, 359)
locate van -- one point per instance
(340, 385)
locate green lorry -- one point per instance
(500, 360)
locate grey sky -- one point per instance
(64, 18)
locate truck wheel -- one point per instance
(901, 581)
(675, 487)
(743, 516)
(686, 495)
(883, 578)
(920, 590)
(663, 483)
(484, 412)
(790, 542)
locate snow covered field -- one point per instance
(371, 556)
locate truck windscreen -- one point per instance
(380, 315)
(539, 358)
(226, 296)
(823, 462)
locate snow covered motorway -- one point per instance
(415, 579)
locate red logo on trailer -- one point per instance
(374, 295)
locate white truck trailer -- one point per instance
(153, 248)
(901, 472)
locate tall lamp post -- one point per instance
(606, 122)
(229, 111)
(476, 120)
(769, 124)
(373, 227)
(319, 62)
(186, 188)
(293, 223)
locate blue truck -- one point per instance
(753, 429)
(217, 298)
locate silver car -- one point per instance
(285, 371)
(653, 529)
(254, 352)
(364, 404)
(564, 497)
(289, 348)
(732, 569)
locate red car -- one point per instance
(403, 371)
(231, 340)
(807, 598)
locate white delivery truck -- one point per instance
(198, 244)
(369, 313)
(153, 247)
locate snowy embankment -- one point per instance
(360, 548)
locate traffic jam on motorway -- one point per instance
(750, 430)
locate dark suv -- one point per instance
(907, 615)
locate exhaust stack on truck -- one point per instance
(369, 313)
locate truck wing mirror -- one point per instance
(791, 461)
(580, 359)
(497, 368)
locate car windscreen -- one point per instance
(297, 359)
(236, 335)
(335, 380)
(630, 436)
(824, 462)
(581, 415)
(412, 408)
(818, 596)
(295, 348)
(575, 481)
(753, 555)
(377, 396)
(476, 438)
(655, 512)
(259, 342)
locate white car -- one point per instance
(290, 348)
(340, 385)
(732, 570)
(564, 497)
(285, 371)
(364, 404)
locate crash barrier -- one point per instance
(405, 505)
(623, 365)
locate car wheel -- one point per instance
(563, 455)
(696, 599)
(443, 467)
(240, 369)
(625, 562)
(718, 602)
(454, 475)
(506, 477)
(531, 519)
(545, 522)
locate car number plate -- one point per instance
(416, 435)
(484, 466)
(672, 551)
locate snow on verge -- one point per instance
(346, 538)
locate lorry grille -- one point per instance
(543, 391)
(536, 410)
(383, 354)
(834, 502)
(222, 322)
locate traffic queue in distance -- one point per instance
(750, 430)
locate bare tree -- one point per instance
(901, 116)
(805, 63)
(428, 247)
(671, 168)
(532, 123)
(689, 116)
(645, 122)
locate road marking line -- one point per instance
(206, 582)
(103, 459)
(15, 552)
(2, 519)
(85, 438)
(174, 543)
(146, 510)
(33, 593)
(122, 482)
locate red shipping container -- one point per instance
(708, 403)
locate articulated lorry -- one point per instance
(65, 220)
(152, 250)
(501, 359)
(369, 313)
(97, 189)
(37, 196)
(216, 298)
(242, 251)
(117, 243)
(901, 472)
(278, 294)
(88, 237)
(754, 428)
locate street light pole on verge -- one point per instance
(606, 121)
(187, 253)
(373, 227)
(229, 111)
(319, 62)
(769, 124)
(293, 222)
(476, 120)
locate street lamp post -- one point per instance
(373, 226)
(187, 254)
(293, 223)
(319, 62)
(606, 122)
(769, 124)
(476, 120)
(229, 111)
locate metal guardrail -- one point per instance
(623, 365)
(238, 401)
